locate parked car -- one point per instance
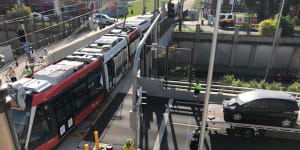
(263, 107)
(142, 23)
(104, 19)
(40, 17)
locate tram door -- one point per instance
(63, 112)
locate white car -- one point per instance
(40, 17)
(103, 18)
(142, 24)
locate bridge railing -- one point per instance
(214, 88)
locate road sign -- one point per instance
(26, 47)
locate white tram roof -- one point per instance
(107, 40)
(48, 76)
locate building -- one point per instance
(227, 6)
(5, 5)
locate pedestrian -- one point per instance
(194, 139)
(45, 51)
(197, 90)
(16, 60)
(27, 70)
(11, 74)
(32, 54)
(129, 145)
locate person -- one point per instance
(16, 60)
(197, 90)
(32, 54)
(11, 74)
(194, 139)
(45, 51)
(129, 145)
(28, 70)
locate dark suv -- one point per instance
(262, 107)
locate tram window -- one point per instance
(80, 95)
(95, 85)
(42, 123)
(63, 107)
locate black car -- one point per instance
(262, 107)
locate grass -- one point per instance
(197, 4)
(137, 7)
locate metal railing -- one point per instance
(215, 88)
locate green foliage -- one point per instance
(17, 12)
(228, 79)
(275, 86)
(253, 84)
(295, 87)
(268, 26)
(197, 4)
(297, 22)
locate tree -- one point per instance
(17, 12)
(268, 26)
(267, 8)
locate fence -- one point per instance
(214, 88)
(43, 31)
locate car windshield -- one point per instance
(21, 121)
(245, 97)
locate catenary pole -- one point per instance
(209, 76)
(274, 42)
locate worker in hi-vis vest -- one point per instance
(197, 90)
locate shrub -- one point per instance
(262, 84)
(237, 83)
(253, 84)
(295, 87)
(275, 86)
(17, 12)
(268, 26)
(227, 79)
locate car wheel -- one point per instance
(286, 123)
(247, 133)
(237, 117)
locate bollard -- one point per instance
(96, 140)
(86, 146)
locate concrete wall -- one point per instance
(243, 52)
(7, 52)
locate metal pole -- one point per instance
(23, 28)
(232, 6)
(144, 7)
(274, 41)
(135, 69)
(209, 75)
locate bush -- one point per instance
(227, 79)
(268, 26)
(253, 84)
(275, 86)
(17, 12)
(295, 87)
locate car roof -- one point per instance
(266, 94)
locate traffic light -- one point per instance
(21, 35)
(171, 10)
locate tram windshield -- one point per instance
(21, 122)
